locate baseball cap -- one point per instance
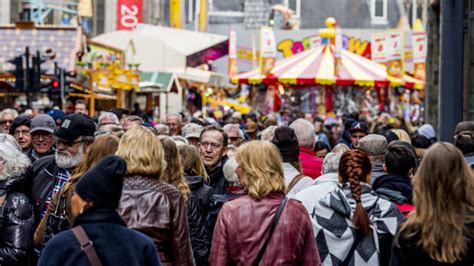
(373, 144)
(359, 126)
(192, 130)
(42, 123)
(74, 126)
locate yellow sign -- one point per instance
(176, 14)
(84, 8)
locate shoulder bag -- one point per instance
(274, 223)
(86, 245)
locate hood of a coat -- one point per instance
(194, 182)
(395, 182)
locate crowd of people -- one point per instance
(117, 189)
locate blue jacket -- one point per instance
(114, 243)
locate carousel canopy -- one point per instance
(317, 66)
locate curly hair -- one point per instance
(173, 173)
(355, 167)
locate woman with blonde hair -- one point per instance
(149, 204)
(402, 135)
(441, 229)
(59, 216)
(174, 175)
(263, 227)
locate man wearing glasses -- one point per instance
(213, 148)
(235, 135)
(41, 131)
(6, 119)
(48, 175)
(20, 129)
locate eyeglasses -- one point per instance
(58, 141)
(23, 132)
(3, 122)
(213, 146)
(44, 135)
(234, 138)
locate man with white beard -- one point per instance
(48, 174)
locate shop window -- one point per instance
(378, 11)
(295, 5)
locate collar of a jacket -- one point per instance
(99, 216)
(308, 151)
(194, 182)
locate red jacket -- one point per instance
(244, 224)
(311, 165)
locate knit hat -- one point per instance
(373, 144)
(427, 130)
(461, 127)
(22, 120)
(102, 184)
(74, 126)
(285, 139)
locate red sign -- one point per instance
(129, 14)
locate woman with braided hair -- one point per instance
(352, 225)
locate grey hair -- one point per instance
(109, 115)
(304, 131)
(13, 112)
(230, 127)
(15, 162)
(268, 133)
(331, 162)
(175, 114)
(229, 171)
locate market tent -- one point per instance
(318, 66)
(159, 48)
(201, 76)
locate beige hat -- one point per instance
(192, 130)
(373, 144)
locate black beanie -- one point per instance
(102, 184)
(22, 120)
(285, 139)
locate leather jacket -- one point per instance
(41, 177)
(157, 209)
(16, 225)
(244, 224)
(216, 178)
(198, 208)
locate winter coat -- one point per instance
(16, 225)
(113, 242)
(198, 209)
(406, 251)
(290, 172)
(311, 165)
(64, 196)
(335, 232)
(318, 190)
(244, 224)
(41, 177)
(394, 182)
(377, 170)
(216, 178)
(33, 157)
(157, 209)
(469, 159)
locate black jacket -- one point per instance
(395, 182)
(216, 178)
(406, 252)
(33, 159)
(198, 209)
(114, 243)
(40, 179)
(16, 225)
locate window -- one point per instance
(190, 11)
(295, 5)
(378, 11)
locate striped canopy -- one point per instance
(317, 66)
